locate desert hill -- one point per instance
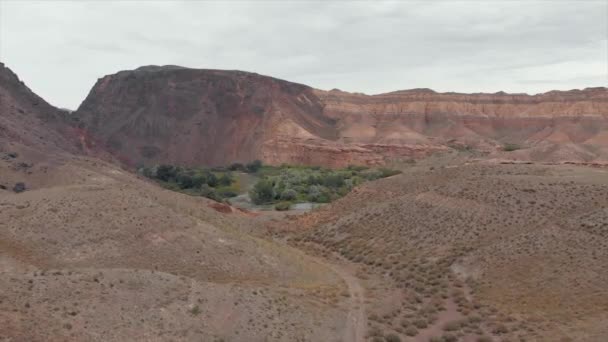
(91, 252)
(29, 120)
(194, 116)
(509, 252)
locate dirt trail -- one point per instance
(356, 320)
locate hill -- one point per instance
(505, 252)
(89, 251)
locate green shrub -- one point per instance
(195, 311)
(165, 172)
(384, 172)
(212, 180)
(254, 166)
(392, 338)
(262, 192)
(225, 179)
(333, 180)
(282, 206)
(289, 195)
(509, 147)
(209, 192)
(411, 331)
(184, 180)
(236, 167)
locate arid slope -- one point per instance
(507, 252)
(91, 252)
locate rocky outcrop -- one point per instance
(215, 117)
(27, 119)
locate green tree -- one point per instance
(225, 179)
(211, 179)
(254, 166)
(184, 180)
(288, 195)
(262, 192)
(165, 172)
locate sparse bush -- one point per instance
(165, 173)
(19, 187)
(262, 192)
(289, 195)
(392, 338)
(236, 167)
(451, 326)
(209, 192)
(411, 331)
(509, 147)
(282, 206)
(195, 311)
(420, 323)
(254, 166)
(449, 338)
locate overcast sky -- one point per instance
(60, 48)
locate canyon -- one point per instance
(489, 233)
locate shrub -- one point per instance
(384, 172)
(211, 179)
(195, 310)
(262, 192)
(184, 180)
(484, 339)
(500, 329)
(254, 166)
(19, 187)
(509, 147)
(198, 180)
(411, 331)
(209, 192)
(282, 206)
(227, 193)
(289, 195)
(451, 326)
(420, 323)
(392, 338)
(165, 172)
(333, 180)
(225, 179)
(236, 167)
(318, 194)
(449, 338)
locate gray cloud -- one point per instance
(59, 48)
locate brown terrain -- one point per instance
(215, 117)
(467, 244)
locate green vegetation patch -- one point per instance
(280, 186)
(214, 183)
(299, 184)
(509, 147)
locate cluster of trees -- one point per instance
(209, 183)
(252, 167)
(289, 184)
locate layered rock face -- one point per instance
(193, 117)
(215, 117)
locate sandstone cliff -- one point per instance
(214, 117)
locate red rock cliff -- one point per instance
(215, 117)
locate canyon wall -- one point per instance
(187, 116)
